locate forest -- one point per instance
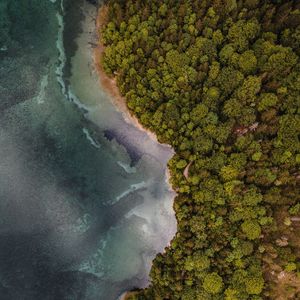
(220, 82)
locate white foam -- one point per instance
(62, 55)
(94, 263)
(133, 187)
(146, 230)
(40, 98)
(76, 101)
(126, 167)
(90, 139)
(62, 59)
(62, 5)
(82, 224)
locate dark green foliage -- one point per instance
(219, 81)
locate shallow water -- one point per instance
(84, 206)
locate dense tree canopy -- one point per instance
(220, 82)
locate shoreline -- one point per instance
(126, 295)
(110, 86)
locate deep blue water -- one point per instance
(84, 205)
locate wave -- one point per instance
(126, 167)
(82, 224)
(90, 139)
(94, 264)
(73, 98)
(62, 60)
(133, 187)
(40, 98)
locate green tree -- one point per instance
(252, 229)
(266, 101)
(213, 283)
(254, 285)
(248, 62)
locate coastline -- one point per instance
(110, 86)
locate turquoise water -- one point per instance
(84, 205)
